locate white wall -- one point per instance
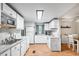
(30, 24)
(71, 30)
(4, 33)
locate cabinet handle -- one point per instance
(5, 54)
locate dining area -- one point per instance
(73, 41)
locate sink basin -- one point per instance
(11, 41)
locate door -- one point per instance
(30, 32)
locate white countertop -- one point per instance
(3, 48)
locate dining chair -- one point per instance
(71, 42)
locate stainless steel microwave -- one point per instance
(11, 22)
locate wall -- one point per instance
(68, 31)
(29, 24)
(4, 33)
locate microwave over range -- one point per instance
(10, 21)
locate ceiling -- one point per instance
(72, 13)
(51, 10)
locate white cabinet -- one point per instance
(23, 46)
(15, 51)
(8, 11)
(46, 26)
(27, 43)
(40, 39)
(53, 24)
(19, 22)
(6, 53)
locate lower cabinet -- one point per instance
(24, 45)
(40, 39)
(23, 49)
(19, 49)
(15, 51)
(6, 53)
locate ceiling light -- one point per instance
(39, 14)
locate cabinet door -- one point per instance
(15, 51)
(27, 43)
(23, 48)
(46, 26)
(20, 22)
(6, 53)
(52, 24)
(40, 39)
(9, 11)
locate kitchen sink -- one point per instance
(11, 41)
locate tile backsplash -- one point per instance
(4, 33)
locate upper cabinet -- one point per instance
(8, 11)
(20, 22)
(46, 26)
(53, 24)
(9, 18)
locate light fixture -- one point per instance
(39, 14)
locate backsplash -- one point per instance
(4, 33)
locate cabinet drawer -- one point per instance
(9, 11)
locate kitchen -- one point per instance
(27, 25)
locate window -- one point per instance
(39, 29)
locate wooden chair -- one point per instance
(71, 42)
